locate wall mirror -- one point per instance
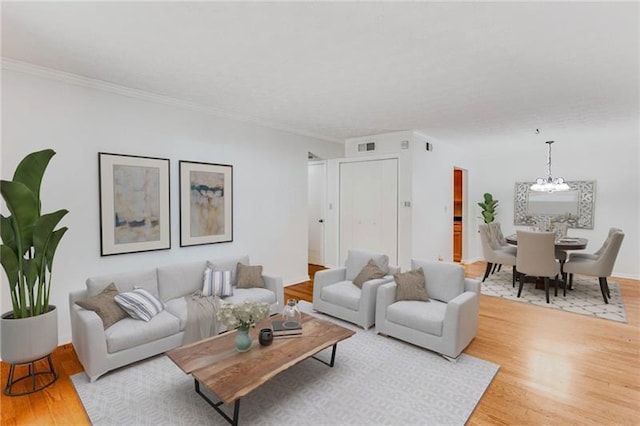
(575, 207)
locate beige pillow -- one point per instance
(371, 271)
(249, 276)
(411, 286)
(105, 306)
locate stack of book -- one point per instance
(286, 329)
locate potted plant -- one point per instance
(488, 208)
(29, 243)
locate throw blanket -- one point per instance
(201, 318)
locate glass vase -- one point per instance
(243, 339)
(291, 315)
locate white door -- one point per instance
(369, 207)
(316, 212)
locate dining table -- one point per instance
(562, 243)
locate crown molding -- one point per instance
(78, 80)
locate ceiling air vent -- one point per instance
(366, 146)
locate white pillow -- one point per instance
(139, 304)
(217, 283)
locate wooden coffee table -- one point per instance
(229, 374)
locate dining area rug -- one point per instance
(584, 299)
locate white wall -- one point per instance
(608, 155)
(425, 226)
(433, 199)
(269, 167)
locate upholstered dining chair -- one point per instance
(342, 293)
(498, 237)
(597, 265)
(499, 241)
(597, 253)
(536, 258)
(592, 256)
(494, 255)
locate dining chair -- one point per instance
(598, 252)
(536, 258)
(498, 241)
(494, 255)
(598, 265)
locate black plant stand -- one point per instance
(32, 374)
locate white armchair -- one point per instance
(334, 292)
(446, 323)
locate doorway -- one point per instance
(458, 202)
(316, 197)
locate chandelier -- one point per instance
(550, 184)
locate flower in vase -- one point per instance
(242, 316)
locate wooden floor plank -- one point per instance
(555, 367)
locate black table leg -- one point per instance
(333, 357)
(216, 406)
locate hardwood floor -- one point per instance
(555, 367)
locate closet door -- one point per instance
(369, 207)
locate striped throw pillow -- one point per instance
(139, 304)
(217, 283)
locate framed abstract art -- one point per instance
(206, 203)
(134, 204)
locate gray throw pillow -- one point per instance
(411, 286)
(105, 306)
(371, 271)
(249, 276)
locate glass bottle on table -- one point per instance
(291, 315)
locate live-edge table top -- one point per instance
(230, 374)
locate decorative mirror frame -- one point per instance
(586, 203)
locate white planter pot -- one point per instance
(28, 339)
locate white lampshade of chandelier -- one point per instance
(550, 184)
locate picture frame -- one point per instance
(134, 203)
(206, 203)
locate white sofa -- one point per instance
(445, 324)
(130, 340)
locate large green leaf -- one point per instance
(31, 170)
(7, 233)
(10, 265)
(9, 262)
(24, 208)
(43, 230)
(56, 236)
(488, 216)
(30, 270)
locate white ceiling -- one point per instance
(458, 72)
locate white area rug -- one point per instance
(375, 380)
(584, 299)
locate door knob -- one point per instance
(321, 221)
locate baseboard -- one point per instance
(294, 281)
(615, 275)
